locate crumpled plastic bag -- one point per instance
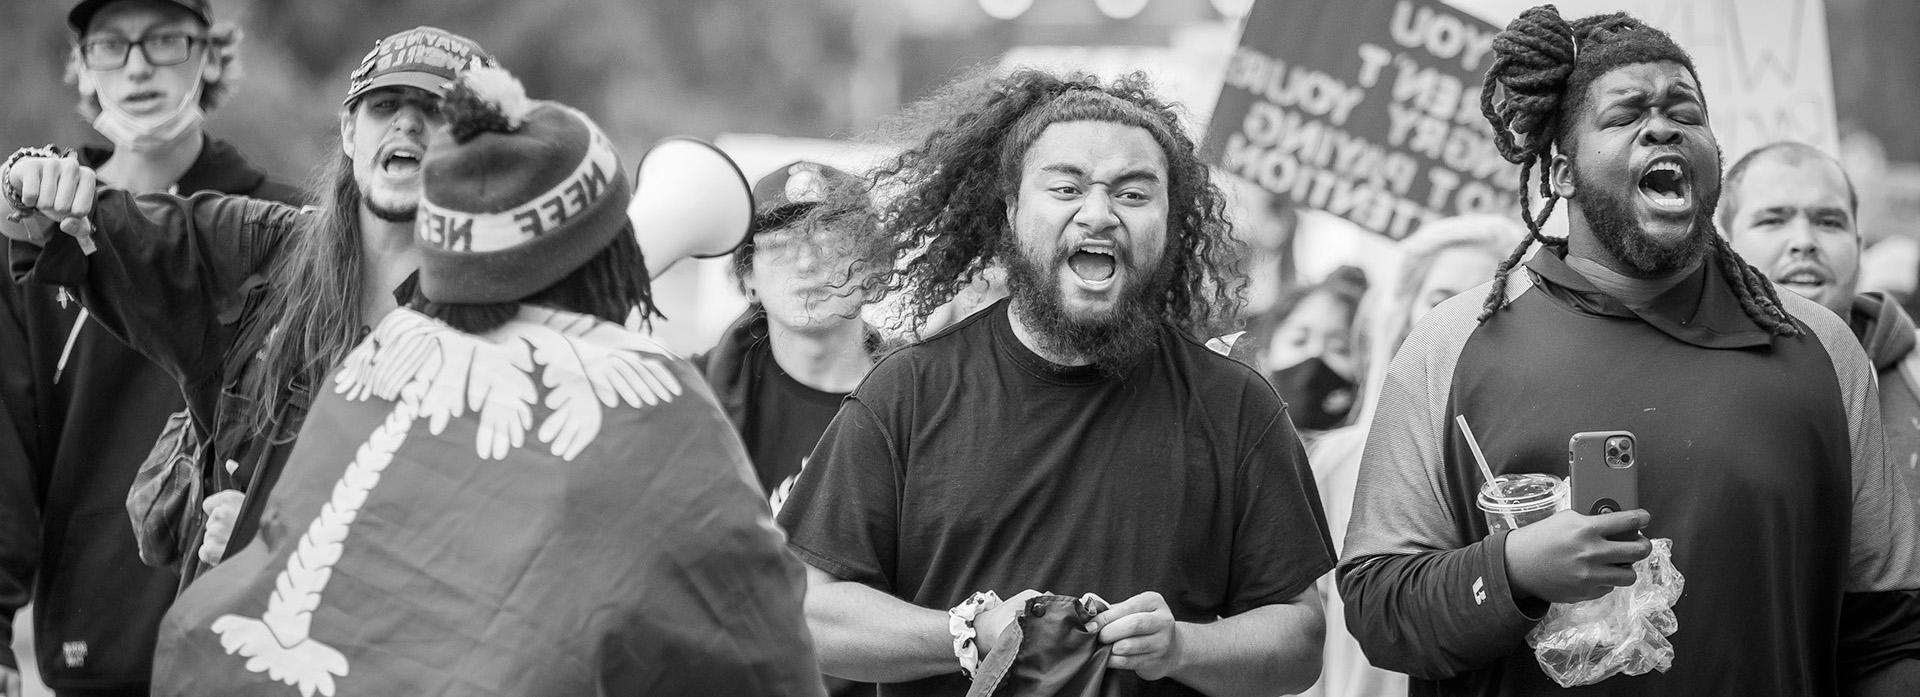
(1624, 631)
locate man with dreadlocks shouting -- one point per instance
(1073, 439)
(1761, 454)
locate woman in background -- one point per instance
(1438, 261)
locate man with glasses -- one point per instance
(84, 408)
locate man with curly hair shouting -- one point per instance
(1760, 453)
(1073, 439)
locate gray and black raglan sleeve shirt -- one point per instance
(1761, 457)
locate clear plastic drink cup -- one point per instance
(1514, 500)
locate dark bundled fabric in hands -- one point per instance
(1047, 652)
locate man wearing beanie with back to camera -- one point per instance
(501, 490)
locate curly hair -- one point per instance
(945, 220)
(842, 226)
(1543, 66)
(223, 45)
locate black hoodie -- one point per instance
(81, 410)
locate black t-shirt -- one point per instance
(969, 463)
(785, 421)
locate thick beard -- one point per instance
(1611, 218)
(1114, 342)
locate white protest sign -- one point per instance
(1764, 64)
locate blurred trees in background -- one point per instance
(644, 70)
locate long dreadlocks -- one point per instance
(1541, 70)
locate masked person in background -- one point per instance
(1442, 259)
(1305, 347)
(246, 303)
(1759, 446)
(85, 407)
(1075, 438)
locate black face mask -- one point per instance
(1317, 397)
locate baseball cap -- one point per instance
(424, 57)
(790, 191)
(82, 14)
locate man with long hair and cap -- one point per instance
(502, 490)
(85, 407)
(1076, 438)
(245, 303)
(1759, 451)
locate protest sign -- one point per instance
(1763, 64)
(1368, 109)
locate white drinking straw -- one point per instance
(1474, 445)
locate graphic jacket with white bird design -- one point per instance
(555, 507)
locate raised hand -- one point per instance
(60, 188)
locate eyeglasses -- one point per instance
(109, 53)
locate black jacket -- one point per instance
(78, 412)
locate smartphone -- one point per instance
(1602, 472)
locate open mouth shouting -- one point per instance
(1094, 264)
(401, 160)
(1667, 186)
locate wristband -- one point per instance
(960, 625)
(21, 211)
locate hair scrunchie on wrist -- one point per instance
(960, 619)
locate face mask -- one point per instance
(1317, 397)
(148, 134)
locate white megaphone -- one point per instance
(689, 200)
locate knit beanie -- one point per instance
(517, 193)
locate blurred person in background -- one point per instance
(782, 368)
(247, 303)
(1304, 345)
(1441, 259)
(1075, 438)
(85, 407)
(1791, 210)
